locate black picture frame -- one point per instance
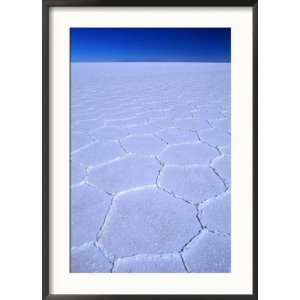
(47, 4)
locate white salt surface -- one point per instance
(150, 175)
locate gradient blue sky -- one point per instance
(150, 44)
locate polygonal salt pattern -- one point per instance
(222, 124)
(126, 173)
(87, 201)
(147, 221)
(84, 117)
(215, 137)
(208, 253)
(79, 140)
(78, 174)
(150, 263)
(140, 129)
(178, 136)
(89, 259)
(207, 113)
(225, 150)
(143, 144)
(216, 214)
(154, 113)
(87, 125)
(223, 168)
(195, 183)
(191, 124)
(104, 134)
(98, 153)
(150, 144)
(188, 154)
(161, 123)
(179, 112)
(126, 122)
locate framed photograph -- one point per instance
(149, 149)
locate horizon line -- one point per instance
(184, 61)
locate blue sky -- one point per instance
(150, 44)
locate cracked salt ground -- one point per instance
(191, 124)
(89, 259)
(177, 136)
(104, 134)
(158, 263)
(150, 167)
(88, 125)
(208, 253)
(79, 140)
(188, 154)
(143, 144)
(222, 166)
(207, 113)
(192, 183)
(91, 155)
(215, 136)
(87, 201)
(125, 173)
(147, 220)
(215, 214)
(78, 174)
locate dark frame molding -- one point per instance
(46, 142)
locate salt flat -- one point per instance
(150, 167)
